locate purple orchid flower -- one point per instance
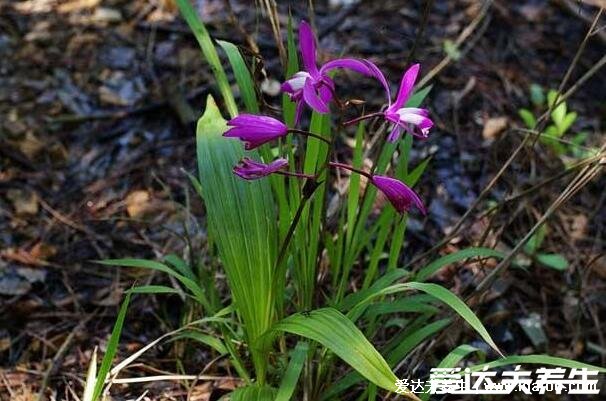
(313, 86)
(414, 120)
(252, 170)
(399, 194)
(255, 130)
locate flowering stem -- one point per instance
(364, 117)
(307, 194)
(293, 174)
(350, 168)
(308, 134)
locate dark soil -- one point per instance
(97, 100)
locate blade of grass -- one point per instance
(210, 53)
(112, 348)
(458, 306)
(293, 371)
(243, 76)
(454, 257)
(152, 289)
(190, 284)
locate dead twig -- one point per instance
(465, 34)
(58, 358)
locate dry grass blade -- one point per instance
(578, 182)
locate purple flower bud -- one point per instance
(399, 194)
(255, 130)
(252, 170)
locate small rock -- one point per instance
(493, 127)
(11, 284)
(121, 91)
(32, 275)
(120, 57)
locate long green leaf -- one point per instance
(458, 256)
(336, 332)
(243, 76)
(210, 53)
(152, 289)
(253, 392)
(454, 302)
(206, 339)
(291, 376)
(451, 360)
(414, 339)
(112, 348)
(190, 284)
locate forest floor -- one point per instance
(98, 101)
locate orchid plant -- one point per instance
(312, 268)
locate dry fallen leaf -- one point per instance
(24, 202)
(30, 145)
(137, 203)
(493, 127)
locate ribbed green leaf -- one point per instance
(410, 304)
(414, 339)
(336, 332)
(243, 76)
(253, 392)
(458, 256)
(242, 223)
(380, 284)
(454, 302)
(180, 265)
(451, 360)
(206, 339)
(190, 284)
(152, 289)
(291, 376)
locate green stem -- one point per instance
(308, 134)
(364, 117)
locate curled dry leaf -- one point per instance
(493, 127)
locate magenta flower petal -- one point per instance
(399, 194)
(255, 130)
(249, 169)
(408, 82)
(307, 45)
(347, 63)
(312, 98)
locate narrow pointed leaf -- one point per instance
(455, 303)
(112, 348)
(336, 332)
